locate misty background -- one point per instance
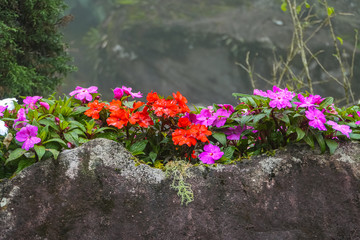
(197, 47)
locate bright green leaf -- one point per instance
(340, 40)
(284, 6)
(330, 11)
(328, 101)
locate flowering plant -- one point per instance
(160, 129)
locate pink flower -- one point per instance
(205, 117)
(2, 110)
(27, 135)
(344, 129)
(228, 107)
(30, 102)
(45, 105)
(260, 93)
(127, 91)
(118, 93)
(211, 154)
(310, 101)
(233, 133)
(220, 117)
(280, 97)
(316, 117)
(21, 117)
(84, 94)
(357, 122)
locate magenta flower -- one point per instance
(21, 117)
(280, 97)
(30, 102)
(357, 122)
(118, 93)
(260, 93)
(45, 105)
(127, 91)
(233, 133)
(220, 117)
(205, 117)
(228, 107)
(344, 129)
(2, 110)
(84, 94)
(310, 101)
(27, 135)
(211, 154)
(316, 117)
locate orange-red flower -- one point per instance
(152, 97)
(94, 109)
(119, 118)
(142, 118)
(115, 105)
(191, 134)
(181, 100)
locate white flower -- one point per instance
(8, 102)
(3, 128)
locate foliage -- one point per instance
(162, 130)
(33, 59)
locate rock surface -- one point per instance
(97, 192)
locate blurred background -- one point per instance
(206, 48)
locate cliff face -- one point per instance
(97, 192)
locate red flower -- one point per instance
(142, 118)
(181, 100)
(95, 108)
(119, 118)
(182, 136)
(115, 105)
(152, 97)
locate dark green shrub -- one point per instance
(33, 57)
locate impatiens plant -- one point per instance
(159, 130)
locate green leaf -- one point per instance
(56, 140)
(284, 6)
(330, 11)
(40, 151)
(320, 139)
(298, 9)
(328, 101)
(307, 5)
(78, 110)
(340, 40)
(309, 140)
(354, 136)
(43, 133)
(54, 152)
(153, 156)
(24, 163)
(229, 152)
(332, 144)
(300, 134)
(71, 137)
(258, 117)
(15, 154)
(285, 118)
(221, 137)
(138, 147)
